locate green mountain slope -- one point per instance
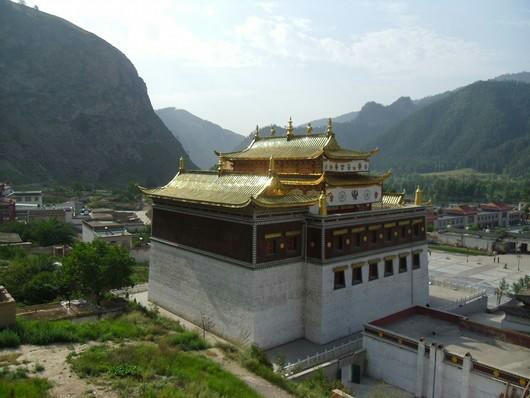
(199, 137)
(73, 109)
(484, 126)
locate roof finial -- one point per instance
(273, 131)
(309, 129)
(418, 197)
(290, 129)
(220, 165)
(271, 167)
(182, 166)
(256, 134)
(323, 203)
(329, 132)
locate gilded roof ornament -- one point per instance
(290, 129)
(256, 134)
(182, 166)
(273, 131)
(271, 167)
(322, 204)
(220, 165)
(329, 131)
(309, 129)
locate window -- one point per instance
(374, 237)
(388, 233)
(372, 272)
(339, 242)
(272, 247)
(357, 275)
(357, 240)
(339, 281)
(389, 267)
(416, 229)
(416, 261)
(403, 231)
(403, 264)
(292, 243)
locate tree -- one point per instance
(97, 267)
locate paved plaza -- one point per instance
(477, 271)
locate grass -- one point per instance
(133, 325)
(255, 361)
(459, 250)
(18, 384)
(158, 370)
(140, 273)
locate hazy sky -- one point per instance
(239, 63)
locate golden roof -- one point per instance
(336, 180)
(393, 199)
(229, 190)
(296, 147)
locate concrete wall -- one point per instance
(466, 241)
(400, 366)
(480, 304)
(331, 314)
(262, 306)
(8, 308)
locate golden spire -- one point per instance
(309, 129)
(256, 134)
(220, 165)
(329, 131)
(290, 129)
(273, 131)
(182, 166)
(271, 167)
(322, 204)
(418, 198)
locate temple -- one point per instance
(292, 237)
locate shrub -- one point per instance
(187, 341)
(9, 339)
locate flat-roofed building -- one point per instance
(108, 231)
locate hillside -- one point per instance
(372, 121)
(484, 126)
(73, 108)
(199, 137)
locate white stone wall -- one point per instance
(255, 306)
(87, 233)
(331, 314)
(397, 365)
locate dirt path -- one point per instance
(66, 384)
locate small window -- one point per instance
(373, 273)
(404, 231)
(416, 229)
(389, 267)
(357, 240)
(374, 237)
(402, 264)
(339, 242)
(357, 275)
(292, 243)
(416, 261)
(272, 246)
(339, 281)
(388, 234)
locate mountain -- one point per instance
(199, 137)
(73, 108)
(347, 117)
(372, 121)
(517, 77)
(484, 126)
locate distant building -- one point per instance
(12, 239)
(8, 309)
(290, 238)
(108, 231)
(27, 197)
(488, 215)
(7, 205)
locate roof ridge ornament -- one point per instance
(220, 165)
(322, 203)
(273, 131)
(290, 129)
(256, 134)
(272, 171)
(182, 165)
(329, 131)
(309, 129)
